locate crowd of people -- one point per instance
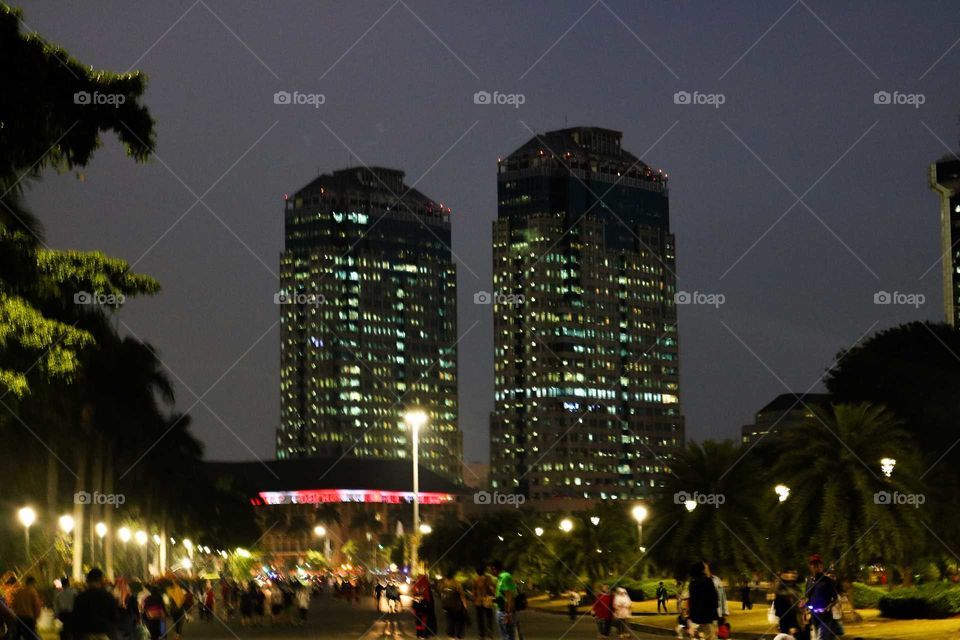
(137, 610)
(491, 597)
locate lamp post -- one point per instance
(101, 531)
(141, 537)
(27, 517)
(415, 419)
(639, 513)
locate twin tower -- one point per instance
(586, 361)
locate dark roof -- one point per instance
(381, 180)
(328, 473)
(578, 141)
(786, 401)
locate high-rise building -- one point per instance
(585, 326)
(945, 180)
(368, 321)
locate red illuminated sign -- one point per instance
(319, 496)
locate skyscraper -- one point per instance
(585, 328)
(945, 180)
(369, 321)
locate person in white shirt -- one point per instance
(621, 612)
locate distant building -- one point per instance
(786, 411)
(945, 180)
(586, 360)
(368, 321)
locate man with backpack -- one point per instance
(454, 604)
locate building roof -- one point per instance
(299, 474)
(385, 183)
(787, 401)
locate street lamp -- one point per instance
(782, 491)
(690, 505)
(319, 531)
(639, 513)
(426, 529)
(566, 525)
(141, 537)
(101, 530)
(887, 465)
(415, 419)
(538, 531)
(595, 520)
(27, 517)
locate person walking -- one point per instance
(155, 612)
(785, 608)
(26, 607)
(483, 591)
(63, 608)
(820, 596)
(703, 601)
(454, 603)
(303, 603)
(746, 603)
(602, 611)
(622, 612)
(95, 610)
(128, 613)
(505, 597)
(573, 604)
(662, 598)
(424, 608)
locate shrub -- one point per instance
(867, 596)
(938, 600)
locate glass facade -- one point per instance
(368, 321)
(585, 329)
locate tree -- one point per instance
(46, 121)
(725, 525)
(832, 469)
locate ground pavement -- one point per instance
(333, 619)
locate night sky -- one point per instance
(798, 121)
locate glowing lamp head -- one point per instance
(690, 505)
(566, 525)
(319, 531)
(415, 419)
(187, 544)
(782, 491)
(124, 534)
(426, 529)
(538, 531)
(639, 513)
(66, 523)
(101, 529)
(141, 537)
(887, 465)
(27, 516)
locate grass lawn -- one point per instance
(755, 621)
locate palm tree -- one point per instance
(710, 509)
(837, 502)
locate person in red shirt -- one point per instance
(602, 611)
